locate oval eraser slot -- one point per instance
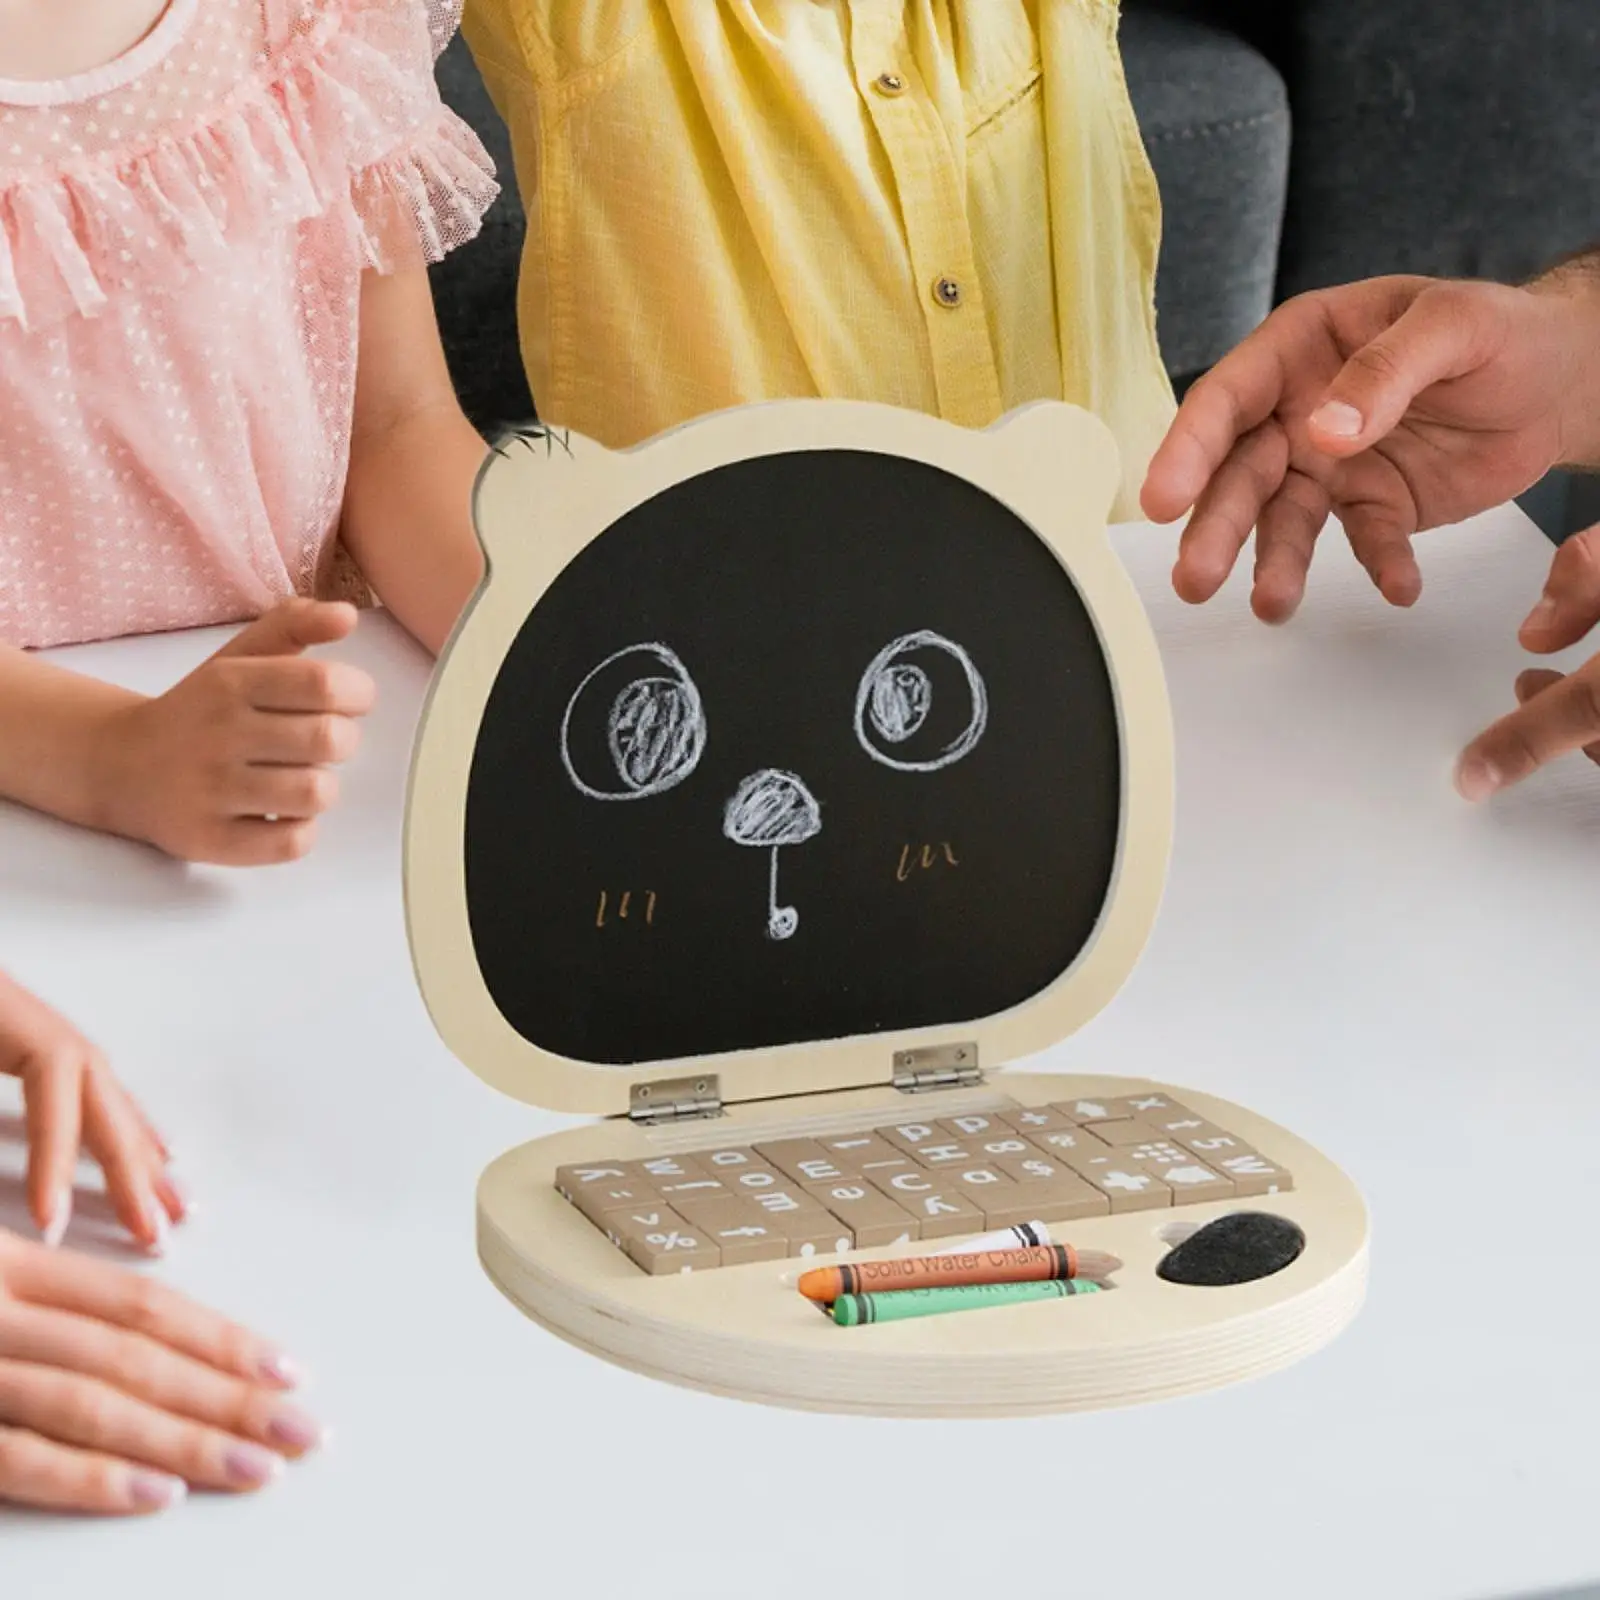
(1239, 1248)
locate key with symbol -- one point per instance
(660, 1241)
(741, 1231)
(1128, 1185)
(870, 1215)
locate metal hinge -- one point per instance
(676, 1099)
(946, 1066)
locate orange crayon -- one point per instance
(1034, 1265)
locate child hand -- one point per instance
(232, 765)
(70, 1094)
(115, 1392)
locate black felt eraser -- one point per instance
(1234, 1249)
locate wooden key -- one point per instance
(1040, 1203)
(1252, 1173)
(1188, 1177)
(1176, 1124)
(661, 1242)
(906, 1136)
(1034, 1167)
(655, 1169)
(785, 1202)
(1054, 1191)
(804, 1160)
(1164, 1152)
(817, 1233)
(861, 1152)
(869, 1213)
(742, 1232)
(1063, 1199)
(696, 1186)
(1003, 1200)
(1124, 1131)
(1078, 1112)
(1126, 1185)
(1036, 1119)
(975, 1125)
(1191, 1182)
(719, 1163)
(939, 1207)
(596, 1201)
(1208, 1141)
(753, 1180)
(978, 1175)
(1064, 1141)
(941, 1156)
(1143, 1107)
(947, 1213)
(573, 1180)
(1004, 1142)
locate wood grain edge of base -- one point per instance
(922, 1386)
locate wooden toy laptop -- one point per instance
(789, 776)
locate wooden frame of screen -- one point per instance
(540, 501)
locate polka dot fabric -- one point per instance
(182, 239)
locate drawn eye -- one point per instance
(650, 738)
(919, 689)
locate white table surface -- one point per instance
(1412, 984)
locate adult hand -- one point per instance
(116, 1392)
(232, 766)
(1557, 714)
(1398, 404)
(70, 1094)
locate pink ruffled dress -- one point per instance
(182, 238)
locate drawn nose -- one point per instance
(772, 809)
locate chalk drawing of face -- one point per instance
(656, 733)
(805, 747)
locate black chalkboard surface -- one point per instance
(814, 745)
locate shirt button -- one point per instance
(889, 83)
(947, 292)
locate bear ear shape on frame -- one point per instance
(513, 463)
(1062, 451)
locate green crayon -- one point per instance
(852, 1310)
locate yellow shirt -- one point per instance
(940, 204)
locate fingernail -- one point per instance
(249, 1466)
(277, 1368)
(60, 1215)
(155, 1491)
(156, 1213)
(180, 1193)
(294, 1430)
(1336, 418)
(1542, 614)
(1477, 779)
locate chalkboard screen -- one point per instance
(814, 745)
